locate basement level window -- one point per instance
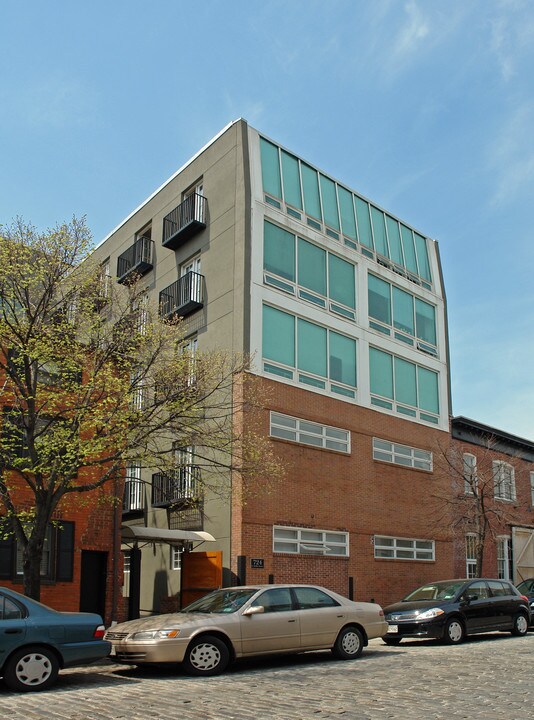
(308, 541)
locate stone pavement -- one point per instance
(488, 677)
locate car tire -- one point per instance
(349, 644)
(520, 625)
(391, 641)
(206, 655)
(31, 669)
(454, 632)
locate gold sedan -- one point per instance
(245, 621)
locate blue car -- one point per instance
(527, 588)
(36, 641)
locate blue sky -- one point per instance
(424, 106)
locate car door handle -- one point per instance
(13, 631)
(294, 620)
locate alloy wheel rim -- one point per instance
(33, 669)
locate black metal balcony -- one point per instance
(134, 496)
(183, 297)
(137, 260)
(184, 221)
(178, 487)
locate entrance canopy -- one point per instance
(140, 533)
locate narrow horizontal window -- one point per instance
(403, 548)
(309, 433)
(310, 541)
(401, 455)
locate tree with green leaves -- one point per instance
(92, 378)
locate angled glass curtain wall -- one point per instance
(400, 314)
(308, 353)
(321, 203)
(403, 386)
(309, 272)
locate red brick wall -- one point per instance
(353, 493)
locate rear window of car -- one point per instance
(309, 598)
(500, 589)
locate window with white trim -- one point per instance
(401, 454)
(308, 541)
(470, 474)
(126, 556)
(309, 433)
(403, 548)
(176, 557)
(532, 489)
(504, 558)
(470, 555)
(503, 480)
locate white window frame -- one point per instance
(470, 556)
(133, 487)
(126, 555)
(503, 488)
(398, 454)
(532, 489)
(469, 473)
(306, 432)
(395, 548)
(176, 557)
(310, 541)
(504, 549)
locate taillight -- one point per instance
(381, 612)
(523, 597)
(99, 632)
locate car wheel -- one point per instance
(31, 669)
(206, 655)
(349, 644)
(520, 625)
(391, 641)
(454, 632)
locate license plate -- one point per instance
(393, 628)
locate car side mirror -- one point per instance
(254, 610)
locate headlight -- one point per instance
(155, 634)
(429, 614)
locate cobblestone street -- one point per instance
(487, 677)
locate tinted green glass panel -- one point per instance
(405, 382)
(311, 267)
(379, 231)
(379, 299)
(278, 336)
(395, 246)
(341, 284)
(409, 249)
(270, 168)
(425, 318)
(422, 257)
(381, 371)
(346, 209)
(311, 344)
(312, 204)
(403, 311)
(291, 177)
(342, 359)
(278, 251)
(364, 223)
(328, 194)
(427, 383)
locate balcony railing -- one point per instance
(137, 260)
(184, 221)
(180, 486)
(183, 297)
(134, 496)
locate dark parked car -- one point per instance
(451, 609)
(36, 641)
(527, 588)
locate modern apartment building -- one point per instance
(342, 307)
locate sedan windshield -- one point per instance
(435, 591)
(220, 601)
